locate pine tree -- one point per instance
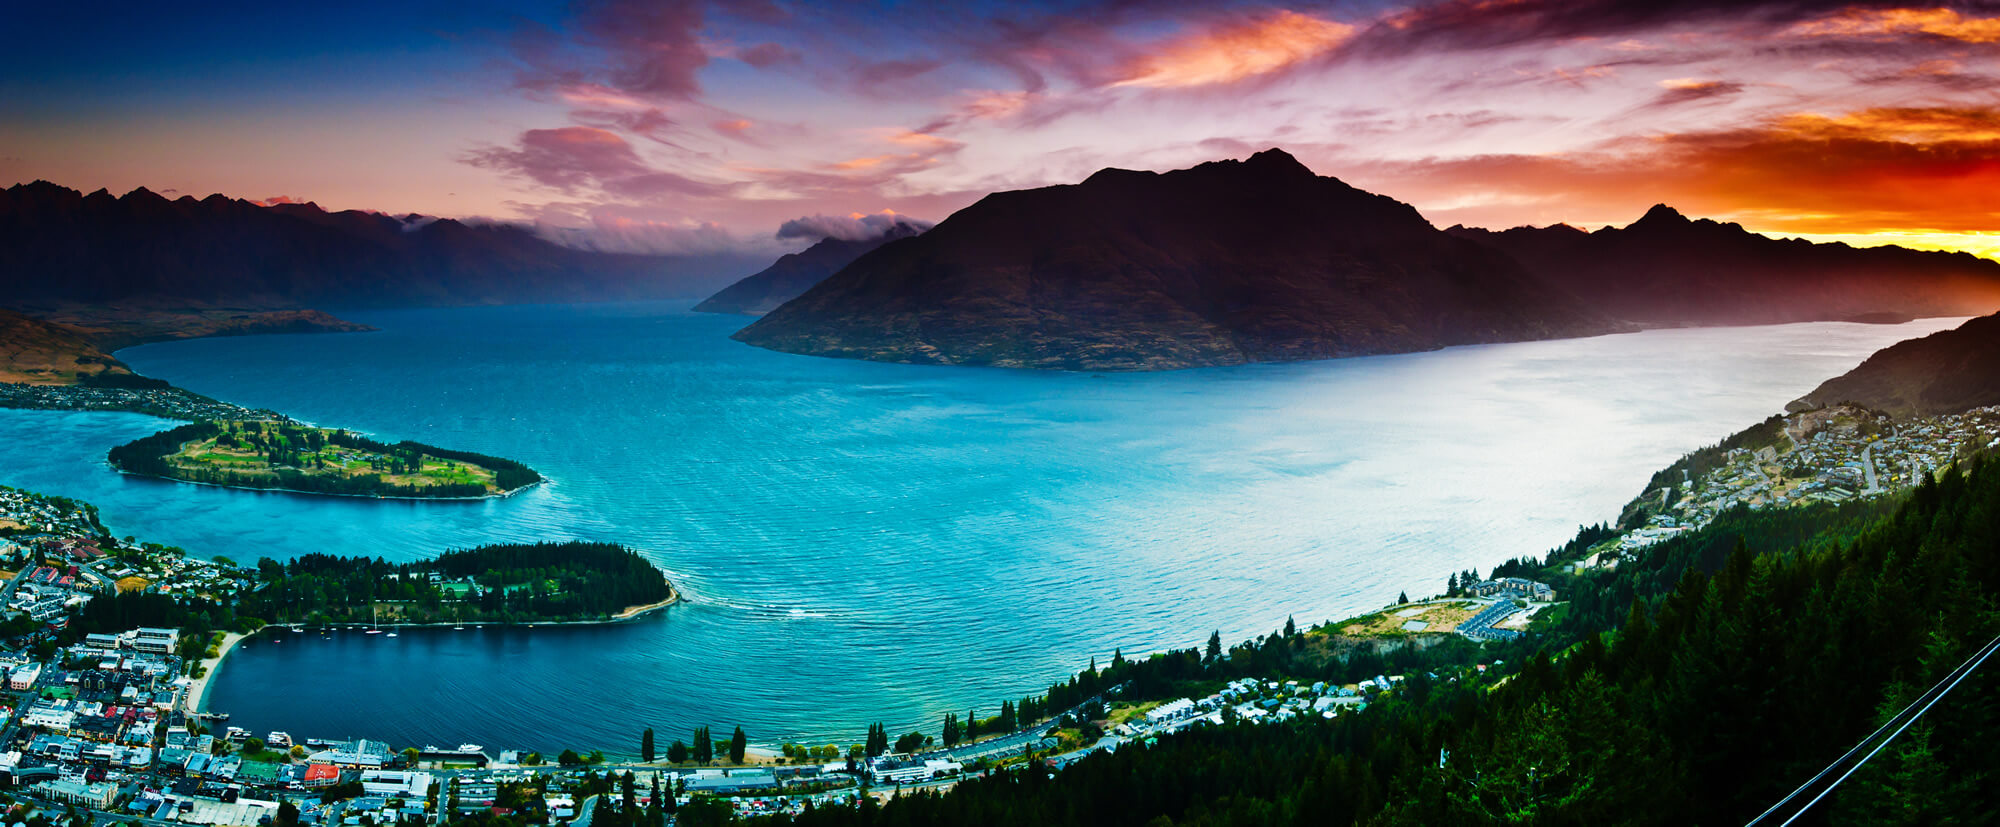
(646, 746)
(1292, 626)
(1402, 597)
(1215, 646)
(704, 747)
(738, 746)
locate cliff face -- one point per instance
(1225, 263)
(795, 273)
(1945, 372)
(1667, 270)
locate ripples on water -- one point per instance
(863, 542)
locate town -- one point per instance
(162, 401)
(1833, 455)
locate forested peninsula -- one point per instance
(509, 583)
(285, 456)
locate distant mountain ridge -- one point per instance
(61, 247)
(1668, 270)
(795, 273)
(1225, 263)
(1946, 372)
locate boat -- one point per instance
(378, 621)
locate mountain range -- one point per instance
(61, 247)
(1668, 270)
(1262, 260)
(795, 273)
(1225, 263)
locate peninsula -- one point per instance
(566, 582)
(280, 455)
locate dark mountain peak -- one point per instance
(1661, 215)
(1276, 160)
(1111, 174)
(142, 195)
(43, 188)
(795, 273)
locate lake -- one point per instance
(865, 542)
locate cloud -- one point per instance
(767, 55)
(850, 227)
(575, 158)
(616, 52)
(1922, 169)
(268, 202)
(1936, 22)
(1492, 24)
(1238, 51)
(1693, 90)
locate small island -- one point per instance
(286, 456)
(551, 582)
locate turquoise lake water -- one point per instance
(865, 542)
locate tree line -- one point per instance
(535, 581)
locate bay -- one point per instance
(864, 542)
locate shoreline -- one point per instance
(385, 497)
(625, 615)
(196, 699)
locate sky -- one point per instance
(685, 126)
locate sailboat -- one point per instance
(378, 620)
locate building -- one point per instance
(1170, 710)
(157, 641)
(1512, 587)
(320, 775)
(94, 796)
(396, 783)
(897, 769)
(362, 754)
(23, 679)
(52, 715)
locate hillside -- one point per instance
(1668, 270)
(795, 273)
(38, 352)
(1699, 684)
(59, 247)
(1225, 263)
(1945, 372)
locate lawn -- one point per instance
(245, 458)
(1439, 616)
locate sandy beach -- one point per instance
(197, 690)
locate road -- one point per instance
(1868, 468)
(584, 810)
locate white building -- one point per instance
(396, 783)
(157, 641)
